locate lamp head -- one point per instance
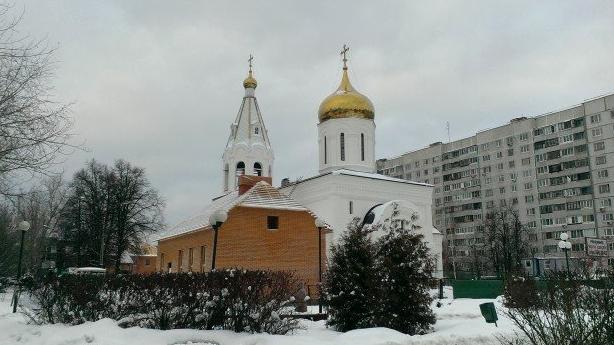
(218, 217)
(24, 225)
(564, 236)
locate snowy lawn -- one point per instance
(459, 322)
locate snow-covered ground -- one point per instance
(459, 322)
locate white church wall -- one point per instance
(328, 196)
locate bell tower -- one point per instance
(248, 150)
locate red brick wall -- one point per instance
(245, 242)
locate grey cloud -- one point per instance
(159, 82)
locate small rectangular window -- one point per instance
(272, 222)
(351, 207)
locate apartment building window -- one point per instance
(566, 138)
(532, 224)
(597, 132)
(486, 157)
(502, 203)
(351, 207)
(542, 170)
(577, 247)
(498, 143)
(528, 185)
(528, 199)
(546, 221)
(527, 173)
(416, 164)
(524, 148)
(499, 154)
(501, 178)
(602, 173)
(600, 146)
(526, 161)
(605, 202)
(511, 164)
(542, 183)
(596, 118)
(426, 172)
(510, 152)
(607, 216)
(600, 160)
(530, 211)
(502, 190)
(500, 166)
(436, 180)
(489, 192)
(514, 188)
(567, 152)
(610, 232)
(486, 170)
(604, 188)
(523, 136)
(435, 170)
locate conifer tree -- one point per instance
(405, 269)
(350, 285)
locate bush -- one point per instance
(351, 281)
(241, 301)
(560, 311)
(383, 283)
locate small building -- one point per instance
(265, 229)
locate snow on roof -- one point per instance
(262, 195)
(374, 176)
(126, 258)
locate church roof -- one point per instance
(262, 195)
(354, 173)
(248, 127)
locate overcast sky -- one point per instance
(159, 82)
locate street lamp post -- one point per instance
(216, 220)
(320, 224)
(23, 226)
(565, 245)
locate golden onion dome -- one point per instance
(346, 102)
(250, 82)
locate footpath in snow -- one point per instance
(459, 322)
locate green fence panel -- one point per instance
(477, 288)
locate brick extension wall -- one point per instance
(245, 242)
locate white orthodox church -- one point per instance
(347, 185)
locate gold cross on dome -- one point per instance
(344, 54)
(251, 58)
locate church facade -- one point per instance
(276, 228)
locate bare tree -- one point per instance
(34, 128)
(110, 211)
(506, 239)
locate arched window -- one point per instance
(342, 146)
(226, 177)
(257, 169)
(240, 169)
(325, 151)
(362, 146)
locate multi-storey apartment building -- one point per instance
(555, 169)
